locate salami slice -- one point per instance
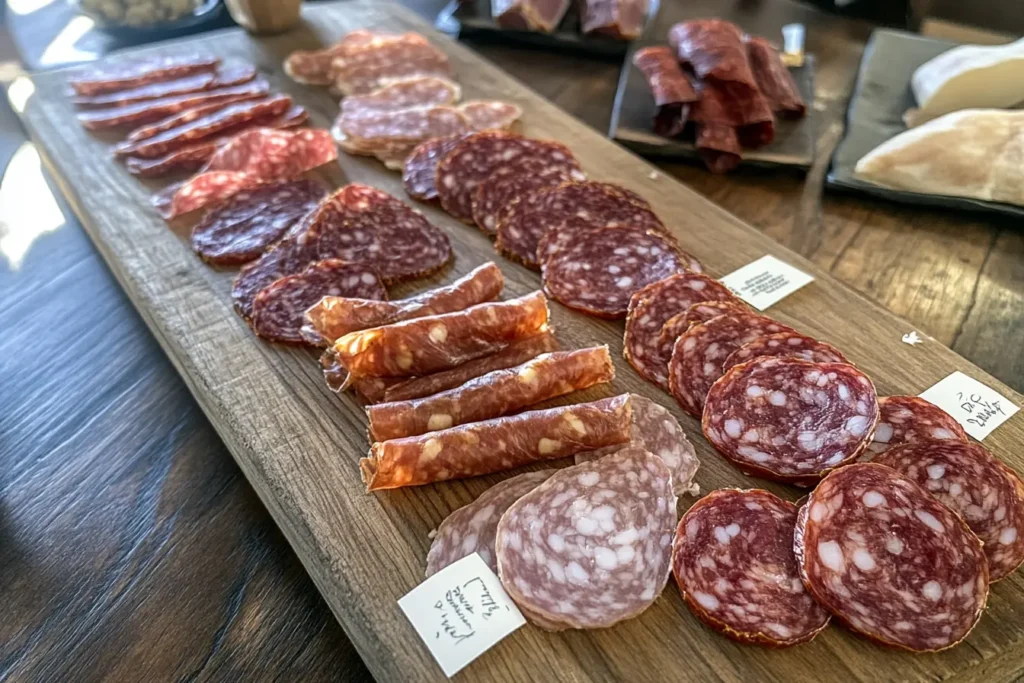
(726, 104)
(651, 307)
(714, 49)
(155, 110)
(700, 313)
(734, 564)
(517, 179)
(370, 389)
(491, 114)
(334, 317)
(617, 19)
(385, 131)
(422, 91)
(719, 147)
(124, 73)
(497, 445)
(236, 74)
(173, 121)
(889, 560)
(529, 15)
(471, 528)
(369, 67)
(420, 167)
(592, 545)
(699, 354)
(786, 345)
(907, 419)
(673, 93)
(495, 394)
(774, 79)
(313, 67)
(790, 420)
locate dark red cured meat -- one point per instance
(790, 420)
(651, 307)
(673, 93)
(313, 67)
(277, 309)
(719, 147)
(617, 19)
(774, 79)
(734, 564)
(244, 226)
(700, 313)
(529, 15)
(786, 345)
(987, 494)
(420, 167)
(714, 49)
(699, 354)
(565, 234)
(365, 69)
(906, 419)
(731, 105)
(130, 73)
(235, 74)
(173, 121)
(889, 560)
(517, 179)
(289, 256)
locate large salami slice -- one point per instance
(384, 131)
(507, 184)
(651, 307)
(235, 74)
(617, 19)
(155, 110)
(529, 15)
(423, 91)
(288, 256)
(125, 73)
(497, 445)
(471, 528)
(987, 494)
(889, 560)
(734, 564)
(786, 345)
(673, 93)
(700, 313)
(790, 420)
(491, 114)
(592, 545)
(334, 317)
(368, 67)
(495, 394)
(906, 419)
(420, 166)
(774, 79)
(313, 67)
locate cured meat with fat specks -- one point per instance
(786, 345)
(392, 135)
(618, 19)
(471, 528)
(790, 420)
(486, 115)
(173, 121)
(370, 389)
(889, 560)
(495, 197)
(288, 256)
(714, 49)
(725, 122)
(987, 494)
(592, 545)
(542, 16)
(701, 313)
(333, 317)
(119, 74)
(420, 166)
(774, 79)
(497, 445)
(906, 419)
(313, 67)
(719, 147)
(673, 93)
(494, 394)
(734, 564)
(235, 74)
(420, 91)
(387, 58)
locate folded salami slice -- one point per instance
(236, 74)
(471, 528)
(732, 105)
(734, 564)
(420, 166)
(419, 91)
(313, 67)
(786, 345)
(131, 73)
(907, 419)
(714, 49)
(368, 67)
(592, 545)
(529, 15)
(673, 93)
(370, 389)
(617, 19)
(889, 560)
(719, 147)
(651, 307)
(384, 132)
(774, 79)
(517, 179)
(491, 114)
(334, 317)
(790, 420)
(495, 394)
(497, 445)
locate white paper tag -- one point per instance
(765, 281)
(979, 409)
(461, 612)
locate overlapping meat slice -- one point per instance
(907, 419)
(226, 76)
(119, 74)
(673, 93)
(529, 15)
(523, 176)
(313, 67)
(420, 167)
(387, 58)
(617, 19)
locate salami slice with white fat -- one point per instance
(786, 345)
(889, 560)
(313, 67)
(517, 179)
(122, 73)
(592, 545)
(734, 564)
(423, 91)
(790, 420)
(420, 167)
(906, 419)
(369, 66)
(390, 133)
(700, 313)
(491, 114)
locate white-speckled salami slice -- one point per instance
(420, 168)
(786, 345)
(517, 179)
(906, 419)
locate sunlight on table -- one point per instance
(62, 48)
(28, 208)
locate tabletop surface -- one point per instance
(135, 549)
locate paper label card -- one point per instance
(766, 281)
(461, 612)
(979, 409)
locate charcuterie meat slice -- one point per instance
(651, 307)
(313, 67)
(699, 354)
(384, 132)
(507, 184)
(370, 389)
(731, 105)
(235, 74)
(421, 91)
(497, 445)
(515, 353)
(673, 93)
(774, 79)
(529, 15)
(420, 167)
(617, 19)
(790, 420)
(173, 121)
(495, 394)
(734, 564)
(592, 545)
(889, 560)
(243, 227)
(719, 147)
(125, 73)
(786, 345)
(491, 114)
(368, 67)
(334, 317)
(700, 313)
(288, 256)
(471, 528)
(714, 49)
(907, 419)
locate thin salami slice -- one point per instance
(592, 545)
(517, 179)
(236, 74)
(471, 528)
(734, 564)
(786, 345)
(421, 91)
(369, 67)
(571, 230)
(420, 167)
(714, 49)
(673, 93)
(125, 73)
(497, 445)
(491, 114)
(774, 79)
(889, 560)
(391, 133)
(700, 313)
(173, 121)
(907, 419)
(313, 67)
(790, 420)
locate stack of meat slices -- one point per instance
(616, 19)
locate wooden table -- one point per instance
(133, 547)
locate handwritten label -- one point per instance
(765, 281)
(461, 612)
(979, 409)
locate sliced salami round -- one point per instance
(592, 545)
(987, 494)
(517, 179)
(700, 313)
(471, 528)
(420, 167)
(790, 420)
(491, 114)
(889, 560)
(906, 419)
(786, 345)
(734, 564)
(651, 307)
(289, 256)
(570, 230)
(422, 91)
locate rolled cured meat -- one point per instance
(774, 79)
(529, 15)
(618, 19)
(714, 49)
(673, 93)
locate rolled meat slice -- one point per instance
(617, 19)
(370, 389)
(906, 419)
(734, 564)
(497, 445)
(774, 79)
(714, 49)
(529, 15)
(123, 73)
(494, 394)
(719, 147)
(592, 545)
(523, 176)
(420, 166)
(673, 93)
(786, 345)
(889, 560)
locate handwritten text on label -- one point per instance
(979, 409)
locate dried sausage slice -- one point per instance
(131, 73)
(517, 179)
(420, 167)
(370, 389)
(235, 74)
(672, 90)
(370, 66)
(786, 345)
(905, 419)
(313, 67)
(774, 79)
(389, 133)
(413, 92)
(491, 114)
(700, 313)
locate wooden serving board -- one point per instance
(299, 444)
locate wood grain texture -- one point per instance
(299, 445)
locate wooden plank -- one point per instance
(298, 444)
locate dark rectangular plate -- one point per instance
(875, 114)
